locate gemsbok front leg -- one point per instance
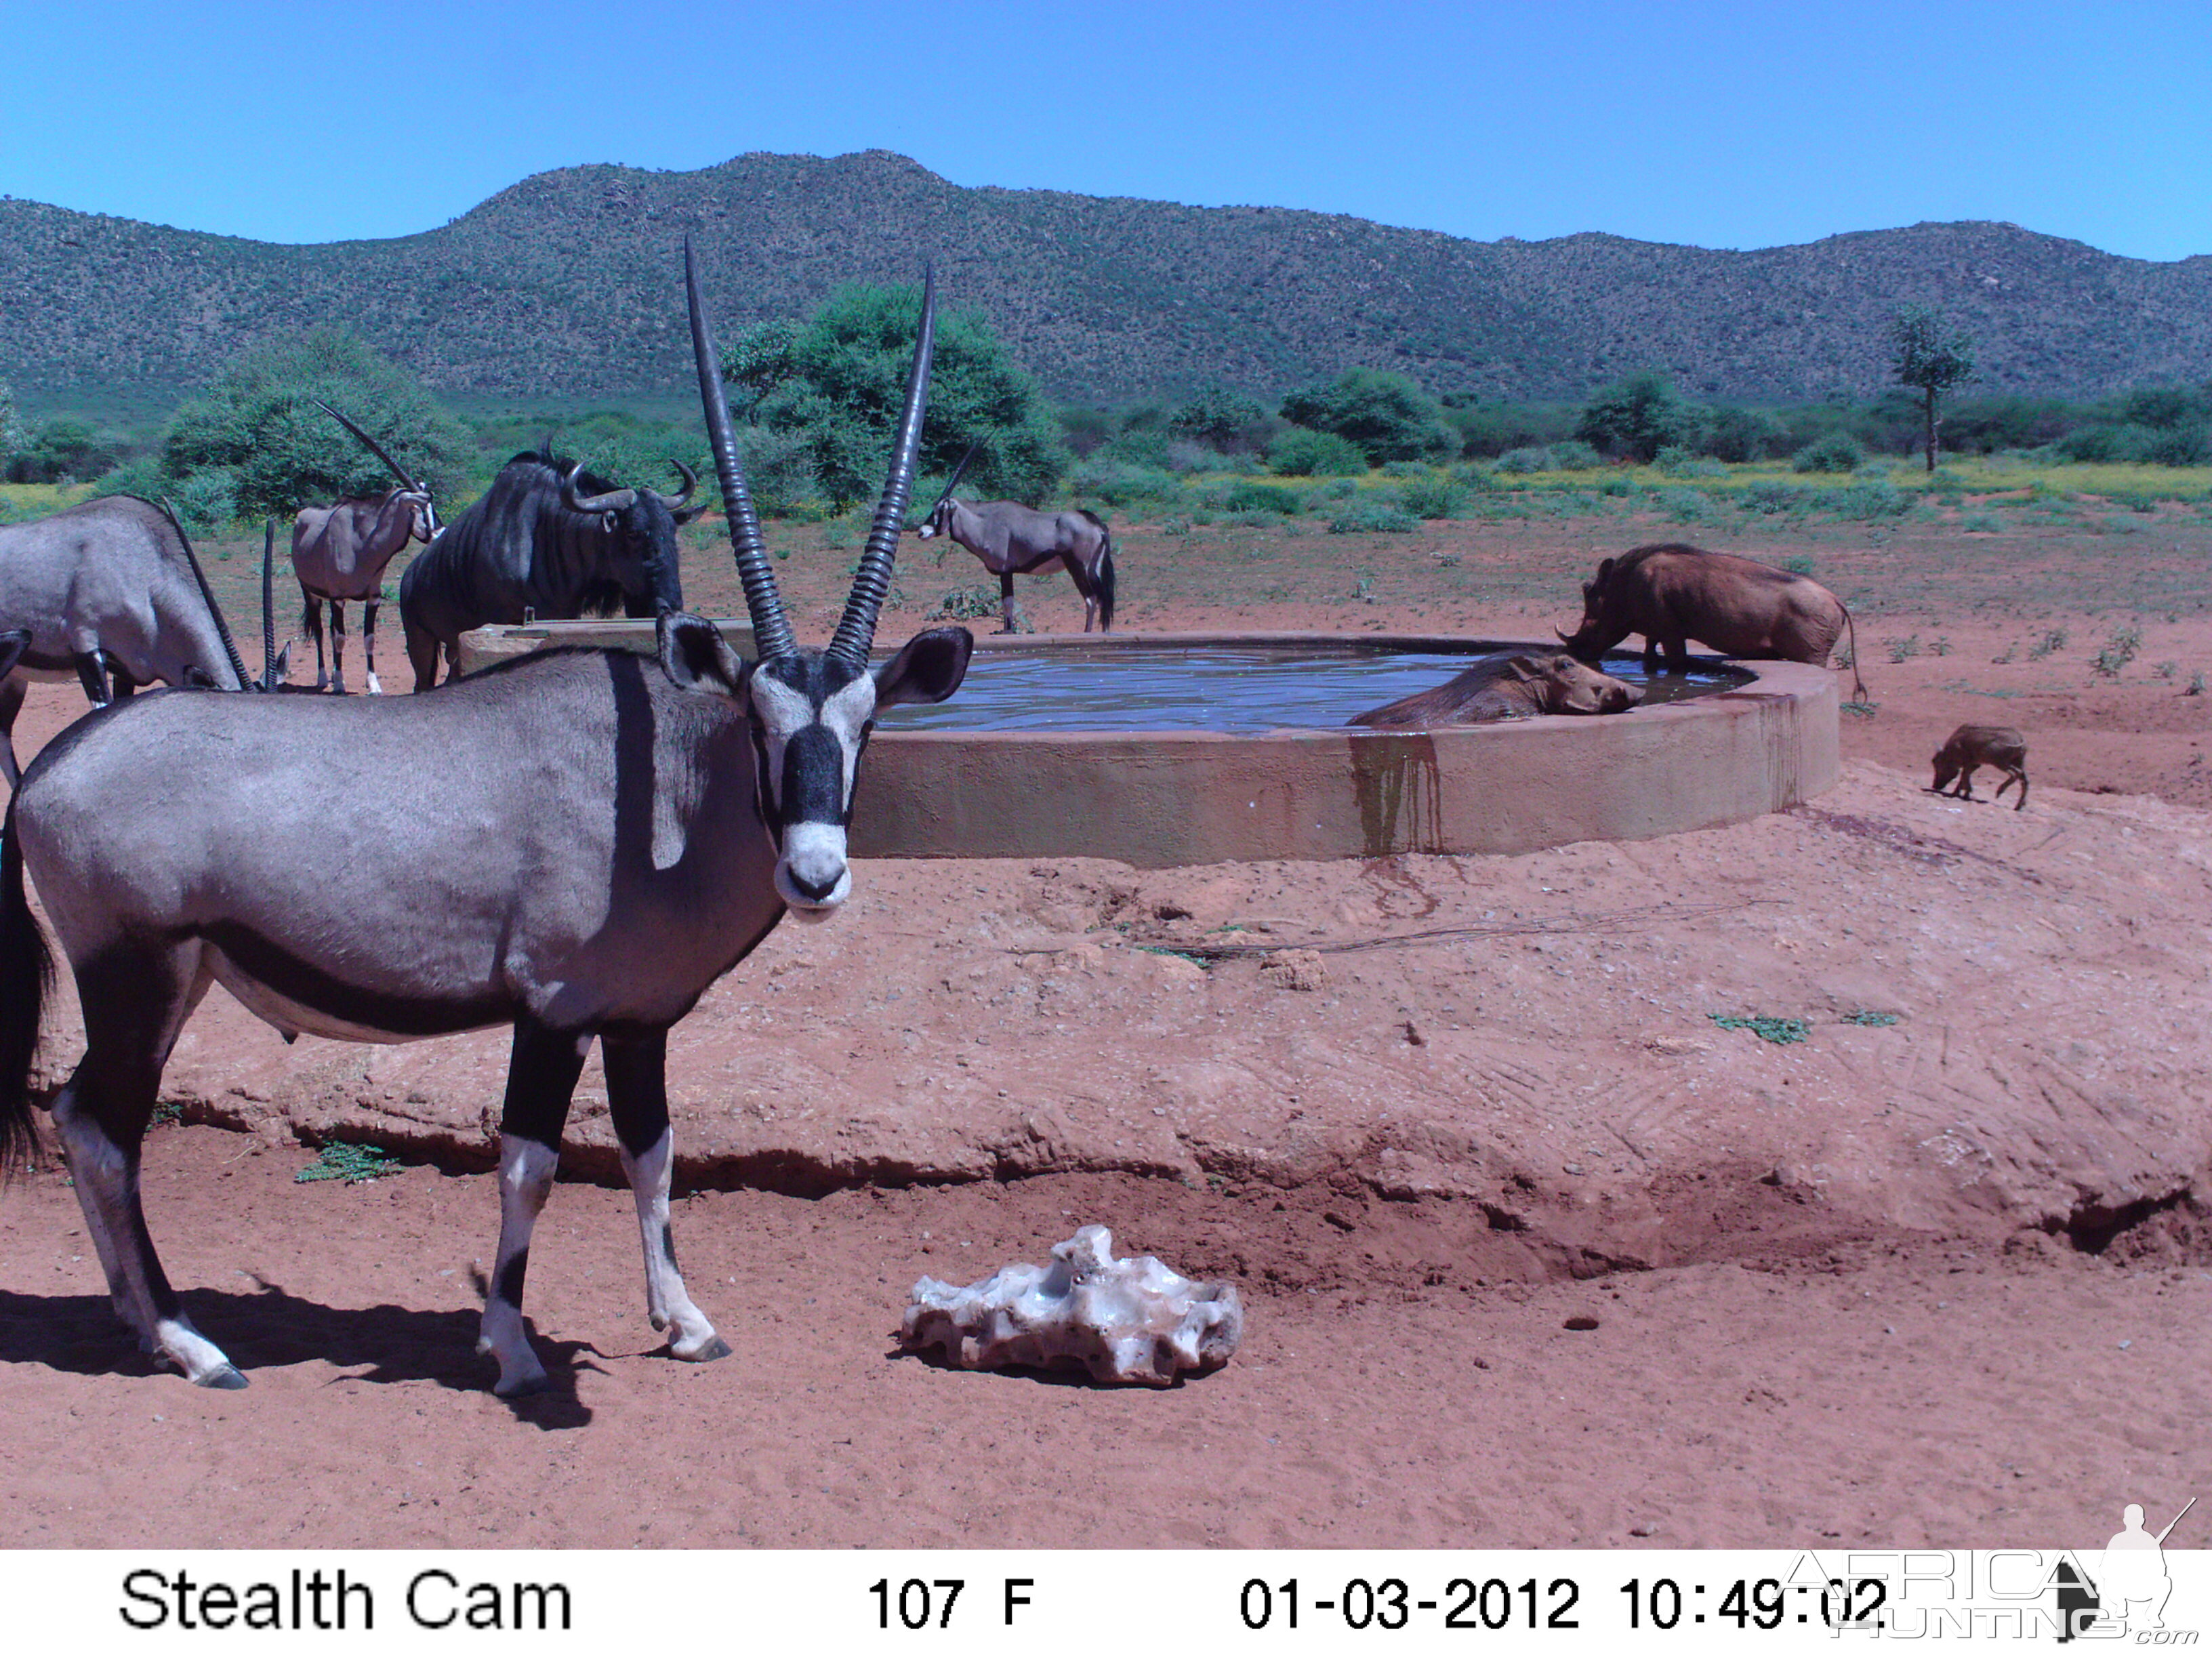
(369, 643)
(134, 1003)
(637, 1101)
(541, 1078)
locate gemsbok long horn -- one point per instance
(871, 582)
(953, 483)
(269, 606)
(373, 447)
(772, 635)
(222, 627)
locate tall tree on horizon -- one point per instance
(1932, 357)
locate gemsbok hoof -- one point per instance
(715, 1348)
(227, 1377)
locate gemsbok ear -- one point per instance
(929, 668)
(695, 656)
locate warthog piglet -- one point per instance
(1971, 746)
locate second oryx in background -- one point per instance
(1013, 540)
(107, 593)
(340, 552)
(576, 843)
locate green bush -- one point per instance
(1573, 455)
(1300, 452)
(1475, 479)
(1221, 420)
(65, 451)
(1637, 416)
(263, 446)
(1120, 484)
(1837, 452)
(1373, 512)
(1773, 496)
(1386, 415)
(843, 376)
(1246, 496)
(1433, 497)
(1729, 434)
(1526, 460)
(1868, 498)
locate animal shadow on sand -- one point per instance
(1051, 1377)
(273, 1327)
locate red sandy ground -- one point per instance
(1837, 1288)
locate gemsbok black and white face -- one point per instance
(811, 715)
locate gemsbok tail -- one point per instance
(1858, 685)
(26, 974)
(1105, 573)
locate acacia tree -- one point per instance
(835, 384)
(1638, 416)
(254, 442)
(1932, 356)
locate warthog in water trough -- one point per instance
(1508, 686)
(1672, 594)
(1971, 746)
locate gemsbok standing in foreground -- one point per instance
(1012, 540)
(578, 843)
(340, 552)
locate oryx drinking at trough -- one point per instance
(340, 552)
(110, 594)
(578, 843)
(1012, 540)
(548, 540)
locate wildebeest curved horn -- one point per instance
(613, 502)
(199, 576)
(872, 583)
(772, 635)
(675, 503)
(374, 447)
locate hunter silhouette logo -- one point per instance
(2130, 1585)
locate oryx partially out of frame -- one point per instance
(1012, 540)
(109, 593)
(340, 552)
(578, 843)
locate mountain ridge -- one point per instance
(566, 284)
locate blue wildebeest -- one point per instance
(109, 592)
(577, 843)
(1012, 540)
(340, 552)
(547, 540)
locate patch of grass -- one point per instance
(1939, 647)
(167, 1111)
(1798, 565)
(1767, 1028)
(341, 1160)
(2006, 655)
(2054, 640)
(2195, 686)
(1904, 650)
(966, 604)
(1869, 1017)
(1983, 523)
(2118, 652)
(1864, 711)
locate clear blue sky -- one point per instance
(1721, 125)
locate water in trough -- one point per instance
(1221, 687)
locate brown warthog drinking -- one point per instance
(1672, 594)
(1508, 686)
(1971, 746)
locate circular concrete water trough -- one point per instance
(1755, 738)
